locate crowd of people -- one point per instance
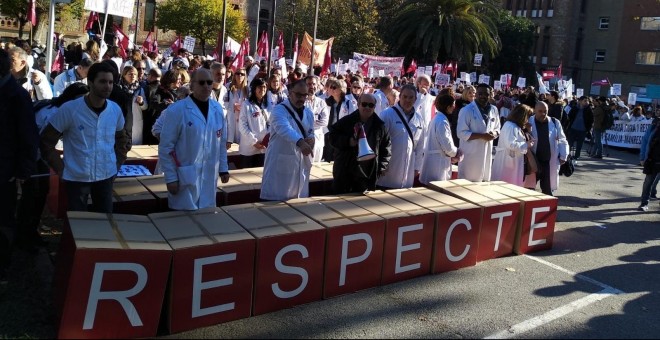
(380, 133)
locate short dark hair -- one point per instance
(86, 62)
(486, 86)
(256, 82)
(554, 94)
(444, 101)
(97, 68)
(71, 92)
(408, 87)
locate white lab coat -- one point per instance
(237, 96)
(440, 149)
(352, 104)
(321, 110)
(407, 155)
(41, 91)
(138, 118)
(382, 102)
(476, 165)
(253, 126)
(64, 79)
(222, 98)
(200, 149)
(509, 162)
(286, 170)
(558, 150)
(424, 105)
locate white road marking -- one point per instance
(561, 311)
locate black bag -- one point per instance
(531, 164)
(568, 167)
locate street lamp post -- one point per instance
(272, 39)
(224, 26)
(256, 30)
(310, 70)
(293, 24)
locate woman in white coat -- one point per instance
(253, 125)
(440, 149)
(289, 153)
(509, 162)
(549, 180)
(238, 93)
(192, 150)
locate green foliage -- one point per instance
(517, 35)
(70, 15)
(201, 19)
(352, 23)
(431, 30)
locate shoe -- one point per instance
(643, 208)
(655, 196)
(595, 156)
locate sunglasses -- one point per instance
(333, 87)
(240, 74)
(139, 68)
(207, 82)
(369, 105)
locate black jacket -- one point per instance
(19, 137)
(588, 117)
(349, 174)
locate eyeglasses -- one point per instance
(207, 82)
(240, 74)
(140, 68)
(369, 105)
(333, 87)
(299, 94)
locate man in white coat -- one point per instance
(407, 130)
(290, 151)
(550, 148)
(424, 102)
(478, 125)
(321, 111)
(77, 74)
(192, 149)
(33, 81)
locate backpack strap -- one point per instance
(405, 123)
(295, 117)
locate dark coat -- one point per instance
(588, 117)
(349, 174)
(19, 137)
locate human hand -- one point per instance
(352, 142)
(310, 141)
(561, 162)
(228, 145)
(489, 136)
(173, 187)
(36, 79)
(139, 100)
(259, 146)
(305, 148)
(224, 178)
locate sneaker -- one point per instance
(643, 208)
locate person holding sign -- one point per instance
(478, 125)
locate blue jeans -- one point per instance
(576, 137)
(598, 143)
(649, 187)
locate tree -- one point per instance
(517, 35)
(351, 22)
(445, 29)
(201, 19)
(19, 8)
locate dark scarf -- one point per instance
(129, 88)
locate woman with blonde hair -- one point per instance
(509, 162)
(238, 93)
(92, 51)
(339, 108)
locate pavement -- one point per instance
(600, 280)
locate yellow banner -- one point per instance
(320, 48)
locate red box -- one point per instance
(212, 268)
(289, 256)
(457, 228)
(57, 200)
(244, 186)
(130, 196)
(408, 236)
(500, 220)
(111, 276)
(158, 188)
(538, 217)
(353, 234)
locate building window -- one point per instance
(603, 23)
(650, 24)
(647, 58)
(149, 15)
(600, 56)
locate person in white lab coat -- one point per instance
(440, 150)
(424, 102)
(407, 130)
(550, 147)
(509, 162)
(321, 110)
(478, 125)
(253, 125)
(192, 150)
(290, 151)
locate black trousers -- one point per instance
(254, 161)
(544, 177)
(101, 191)
(34, 193)
(8, 194)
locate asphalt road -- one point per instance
(600, 280)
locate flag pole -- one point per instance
(310, 70)
(272, 41)
(224, 23)
(49, 41)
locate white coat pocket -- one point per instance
(187, 175)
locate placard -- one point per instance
(122, 8)
(497, 85)
(521, 82)
(428, 70)
(579, 92)
(484, 79)
(477, 59)
(632, 98)
(473, 77)
(189, 43)
(441, 79)
(616, 89)
(381, 73)
(503, 79)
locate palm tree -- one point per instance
(446, 29)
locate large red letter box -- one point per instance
(212, 268)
